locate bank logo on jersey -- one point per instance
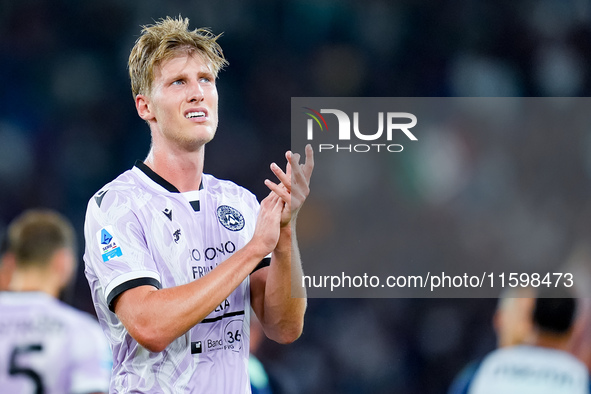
(230, 218)
(232, 338)
(196, 347)
(107, 244)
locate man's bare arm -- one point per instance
(281, 315)
(155, 318)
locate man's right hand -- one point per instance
(266, 232)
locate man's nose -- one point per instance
(195, 93)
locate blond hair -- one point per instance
(37, 234)
(164, 40)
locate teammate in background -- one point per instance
(512, 320)
(174, 257)
(541, 364)
(512, 323)
(46, 346)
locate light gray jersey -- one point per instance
(530, 370)
(140, 230)
(46, 346)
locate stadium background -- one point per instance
(68, 126)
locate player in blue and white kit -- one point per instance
(46, 346)
(539, 365)
(175, 258)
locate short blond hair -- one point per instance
(35, 235)
(164, 40)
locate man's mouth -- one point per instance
(196, 114)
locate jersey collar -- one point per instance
(158, 179)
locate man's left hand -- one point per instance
(295, 183)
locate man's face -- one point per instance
(182, 108)
(513, 321)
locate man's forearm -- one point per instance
(155, 318)
(283, 312)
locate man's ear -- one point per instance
(142, 105)
(63, 264)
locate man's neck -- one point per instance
(181, 169)
(34, 280)
(549, 340)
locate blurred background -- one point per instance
(68, 125)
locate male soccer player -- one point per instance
(46, 346)
(512, 320)
(175, 257)
(539, 365)
(513, 325)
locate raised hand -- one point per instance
(294, 184)
(267, 225)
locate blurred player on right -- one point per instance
(542, 363)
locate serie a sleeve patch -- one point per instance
(108, 245)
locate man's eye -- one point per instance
(178, 82)
(205, 79)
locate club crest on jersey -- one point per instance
(230, 218)
(107, 244)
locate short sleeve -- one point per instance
(117, 256)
